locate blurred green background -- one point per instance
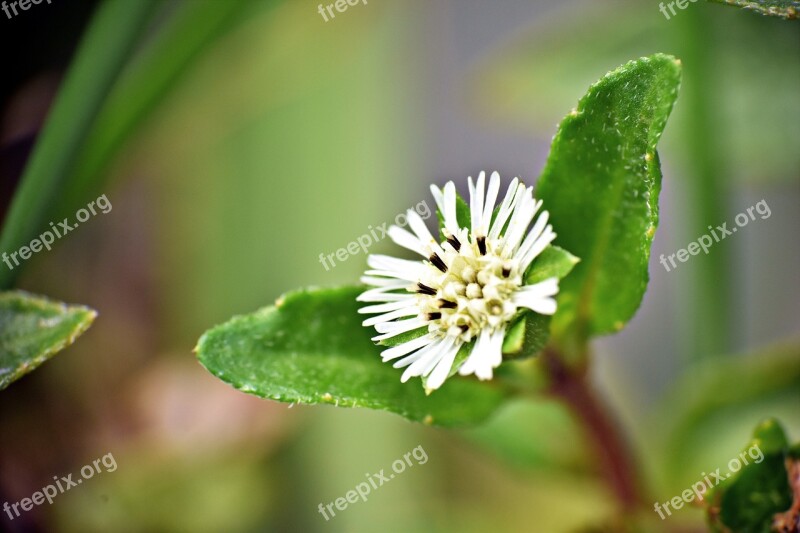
(281, 137)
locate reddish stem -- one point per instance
(612, 452)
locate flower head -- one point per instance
(467, 288)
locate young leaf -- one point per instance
(311, 348)
(553, 262)
(788, 9)
(528, 335)
(750, 499)
(33, 329)
(601, 185)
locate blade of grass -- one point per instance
(707, 326)
(111, 37)
(193, 27)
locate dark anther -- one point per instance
(482, 245)
(454, 242)
(434, 316)
(424, 289)
(506, 272)
(438, 263)
(446, 304)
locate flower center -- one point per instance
(470, 288)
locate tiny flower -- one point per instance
(466, 289)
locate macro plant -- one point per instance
(450, 312)
(499, 301)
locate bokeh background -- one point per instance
(282, 137)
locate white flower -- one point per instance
(467, 288)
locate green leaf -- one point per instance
(601, 185)
(311, 348)
(112, 35)
(553, 262)
(528, 334)
(748, 501)
(787, 9)
(33, 329)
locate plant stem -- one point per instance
(612, 452)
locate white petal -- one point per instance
(392, 315)
(533, 234)
(476, 193)
(412, 276)
(399, 325)
(407, 347)
(449, 212)
(407, 240)
(491, 198)
(408, 301)
(486, 355)
(541, 243)
(423, 234)
(537, 297)
(392, 329)
(493, 357)
(477, 353)
(384, 283)
(543, 306)
(382, 294)
(520, 220)
(443, 367)
(433, 354)
(515, 190)
(547, 287)
(417, 362)
(448, 343)
(416, 356)
(438, 197)
(386, 262)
